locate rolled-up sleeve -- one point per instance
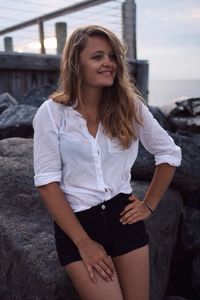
(47, 162)
(156, 140)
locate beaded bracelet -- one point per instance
(149, 207)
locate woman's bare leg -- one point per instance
(133, 273)
(87, 290)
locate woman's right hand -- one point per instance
(95, 258)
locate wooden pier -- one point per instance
(21, 72)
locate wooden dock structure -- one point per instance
(21, 72)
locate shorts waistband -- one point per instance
(105, 204)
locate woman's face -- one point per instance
(98, 63)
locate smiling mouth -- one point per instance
(106, 73)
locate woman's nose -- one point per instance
(107, 61)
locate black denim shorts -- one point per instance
(102, 224)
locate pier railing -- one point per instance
(19, 72)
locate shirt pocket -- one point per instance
(114, 145)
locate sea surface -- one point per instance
(164, 92)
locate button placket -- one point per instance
(97, 159)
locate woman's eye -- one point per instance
(97, 57)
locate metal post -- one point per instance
(8, 44)
(61, 34)
(41, 33)
(129, 28)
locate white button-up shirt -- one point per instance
(91, 170)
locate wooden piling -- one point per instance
(41, 35)
(8, 44)
(61, 35)
(139, 70)
(129, 28)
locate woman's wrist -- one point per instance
(148, 206)
(79, 242)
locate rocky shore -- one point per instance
(28, 260)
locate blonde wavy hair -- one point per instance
(118, 108)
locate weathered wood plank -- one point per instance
(4, 81)
(24, 61)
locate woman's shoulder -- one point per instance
(52, 108)
(50, 112)
(53, 105)
(142, 109)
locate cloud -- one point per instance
(190, 15)
(172, 62)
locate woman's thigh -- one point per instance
(87, 290)
(133, 273)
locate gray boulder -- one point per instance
(190, 124)
(162, 228)
(186, 115)
(191, 227)
(194, 137)
(28, 260)
(190, 233)
(6, 101)
(196, 274)
(37, 96)
(16, 121)
(189, 106)
(187, 176)
(160, 117)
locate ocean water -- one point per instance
(164, 92)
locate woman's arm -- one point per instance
(61, 212)
(167, 157)
(161, 180)
(93, 254)
(140, 210)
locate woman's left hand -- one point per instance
(134, 212)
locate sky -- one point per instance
(169, 37)
(168, 32)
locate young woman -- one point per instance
(85, 143)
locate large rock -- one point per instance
(28, 260)
(186, 115)
(187, 107)
(160, 117)
(37, 96)
(191, 240)
(187, 176)
(190, 124)
(185, 270)
(16, 121)
(196, 274)
(162, 228)
(6, 101)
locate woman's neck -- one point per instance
(91, 99)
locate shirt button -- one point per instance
(106, 190)
(103, 206)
